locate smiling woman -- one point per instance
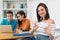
(42, 11)
(44, 32)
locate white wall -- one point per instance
(1, 8)
(54, 10)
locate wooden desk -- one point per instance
(4, 36)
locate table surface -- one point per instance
(10, 36)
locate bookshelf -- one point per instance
(14, 6)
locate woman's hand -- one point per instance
(48, 29)
(35, 26)
(17, 31)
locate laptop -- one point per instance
(5, 28)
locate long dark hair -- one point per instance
(47, 13)
(21, 13)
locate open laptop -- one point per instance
(5, 28)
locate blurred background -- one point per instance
(29, 7)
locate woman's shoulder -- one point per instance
(27, 19)
(51, 21)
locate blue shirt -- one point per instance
(13, 23)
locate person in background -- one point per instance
(23, 24)
(10, 21)
(43, 17)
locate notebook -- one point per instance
(22, 34)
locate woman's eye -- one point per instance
(41, 9)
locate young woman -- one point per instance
(43, 17)
(23, 23)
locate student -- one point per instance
(10, 21)
(23, 24)
(43, 17)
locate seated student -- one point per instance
(23, 24)
(10, 21)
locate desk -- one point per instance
(6, 36)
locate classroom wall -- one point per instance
(1, 8)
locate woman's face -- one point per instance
(41, 11)
(20, 17)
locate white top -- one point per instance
(42, 25)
